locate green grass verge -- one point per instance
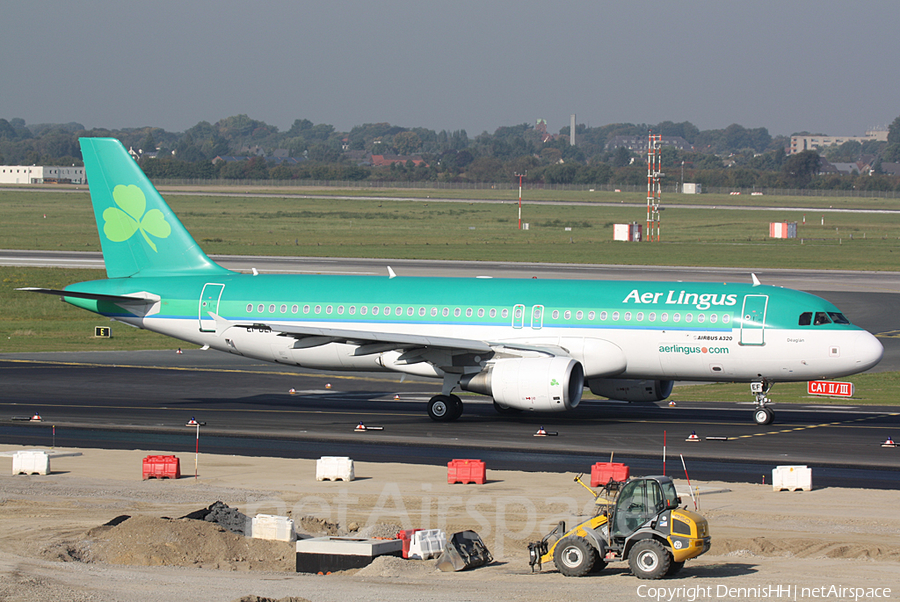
(871, 388)
(471, 231)
(31, 322)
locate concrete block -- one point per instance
(324, 554)
(31, 462)
(791, 478)
(334, 468)
(268, 526)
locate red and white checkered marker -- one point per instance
(36, 417)
(693, 437)
(327, 385)
(671, 404)
(541, 432)
(889, 443)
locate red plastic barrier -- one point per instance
(602, 472)
(162, 467)
(466, 471)
(406, 537)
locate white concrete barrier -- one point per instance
(427, 543)
(268, 526)
(334, 468)
(792, 478)
(31, 462)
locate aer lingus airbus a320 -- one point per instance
(529, 344)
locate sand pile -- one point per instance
(149, 541)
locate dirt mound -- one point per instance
(149, 541)
(394, 567)
(316, 527)
(803, 548)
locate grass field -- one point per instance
(329, 227)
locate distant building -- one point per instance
(814, 143)
(638, 144)
(37, 174)
(891, 168)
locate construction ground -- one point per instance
(56, 543)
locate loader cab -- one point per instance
(642, 500)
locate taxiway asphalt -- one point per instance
(142, 400)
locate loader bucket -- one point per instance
(464, 550)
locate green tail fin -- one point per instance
(139, 233)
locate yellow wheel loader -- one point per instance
(643, 525)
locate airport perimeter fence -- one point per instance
(514, 187)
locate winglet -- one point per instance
(756, 281)
(391, 273)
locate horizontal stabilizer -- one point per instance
(139, 298)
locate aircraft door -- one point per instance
(209, 302)
(753, 320)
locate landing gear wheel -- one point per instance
(505, 411)
(440, 408)
(457, 407)
(674, 567)
(649, 559)
(445, 408)
(763, 416)
(574, 557)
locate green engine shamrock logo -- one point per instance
(554, 382)
(123, 221)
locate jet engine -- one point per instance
(631, 390)
(545, 384)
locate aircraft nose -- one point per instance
(868, 351)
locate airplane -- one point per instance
(531, 345)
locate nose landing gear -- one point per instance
(762, 414)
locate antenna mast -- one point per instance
(653, 186)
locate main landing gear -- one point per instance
(763, 414)
(445, 408)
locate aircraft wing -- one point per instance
(377, 342)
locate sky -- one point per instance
(823, 66)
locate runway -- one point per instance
(143, 400)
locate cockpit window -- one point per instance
(821, 318)
(838, 318)
(805, 318)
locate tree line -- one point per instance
(731, 157)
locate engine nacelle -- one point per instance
(544, 384)
(631, 390)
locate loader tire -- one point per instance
(648, 559)
(674, 567)
(574, 556)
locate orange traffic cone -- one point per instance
(693, 437)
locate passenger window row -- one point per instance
(469, 312)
